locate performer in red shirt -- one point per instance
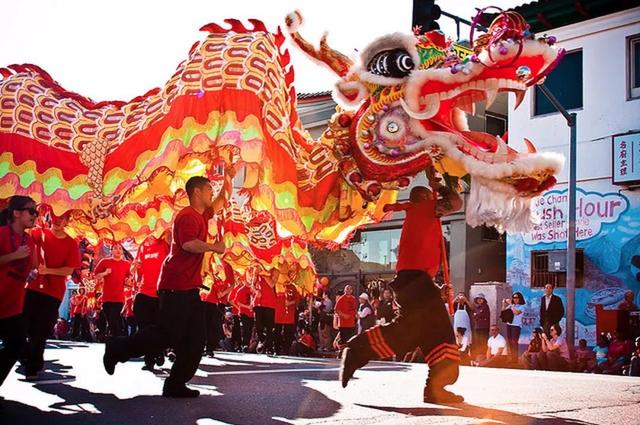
(114, 272)
(422, 320)
(264, 307)
(242, 301)
(147, 266)
(16, 262)
(285, 319)
(80, 323)
(181, 313)
(346, 309)
(58, 256)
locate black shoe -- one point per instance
(159, 360)
(148, 367)
(111, 355)
(349, 364)
(441, 396)
(209, 354)
(179, 392)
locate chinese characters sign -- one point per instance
(626, 158)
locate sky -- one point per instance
(119, 49)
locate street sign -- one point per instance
(626, 158)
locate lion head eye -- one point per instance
(396, 63)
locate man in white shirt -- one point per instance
(496, 350)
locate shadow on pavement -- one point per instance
(258, 400)
(483, 413)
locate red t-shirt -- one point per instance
(182, 270)
(244, 296)
(58, 252)
(151, 256)
(13, 275)
(307, 339)
(285, 315)
(421, 238)
(212, 295)
(347, 305)
(266, 296)
(113, 289)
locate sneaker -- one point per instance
(172, 356)
(159, 360)
(110, 358)
(179, 392)
(349, 363)
(30, 377)
(441, 396)
(209, 354)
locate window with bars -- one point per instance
(551, 267)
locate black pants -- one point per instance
(513, 336)
(111, 312)
(346, 334)
(265, 325)
(284, 336)
(236, 333)
(145, 310)
(213, 320)
(40, 315)
(180, 326)
(480, 338)
(246, 325)
(13, 336)
(80, 327)
(422, 321)
(300, 350)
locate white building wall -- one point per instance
(606, 110)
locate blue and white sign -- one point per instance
(626, 158)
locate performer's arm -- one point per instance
(449, 202)
(60, 271)
(196, 246)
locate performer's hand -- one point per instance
(387, 208)
(23, 251)
(218, 247)
(106, 272)
(42, 270)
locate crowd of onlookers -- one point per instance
(323, 324)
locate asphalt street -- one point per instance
(257, 389)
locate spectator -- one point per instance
(535, 346)
(601, 351)
(634, 366)
(366, 318)
(462, 339)
(618, 355)
(60, 329)
(326, 302)
(551, 309)
(496, 350)
(628, 303)
(386, 312)
(555, 352)
(516, 305)
(346, 308)
(481, 321)
(446, 296)
(461, 318)
(325, 324)
(227, 343)
(374, 300)
(305, 346)
(585, 359)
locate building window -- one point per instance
(633, 54)
(551, 267)
(495, 124)
(565, 82)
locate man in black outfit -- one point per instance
(180, 322)
(551, 308)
